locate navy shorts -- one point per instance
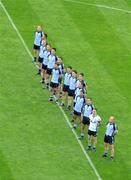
(86, 120)
(36, 47)
(77, 113)
(54, 85)
(40, 60)
(71, 93)
(92, 133)
(65, 88)
(109, 139)
(49, 71)
(44, 66)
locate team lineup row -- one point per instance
(66, 85)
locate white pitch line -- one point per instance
(81, 145)
(65, 116)
(99, 6)
(15, 28)
(17, 31)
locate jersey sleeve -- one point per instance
(115, 129)
(83, 105)
(60, 72)
(42, 34)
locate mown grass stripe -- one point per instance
(28, 51)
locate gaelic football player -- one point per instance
(45, 63)
(85, 120)
(56, 74)
(51, 61)
(72, 87)
(61, 68)
(65, 89)
(79, 103)
(109, 139)
(37, 42)
(95, 122)
(41, 55)
(81, 79)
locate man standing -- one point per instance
(111, 131)
(95, 121)
(79, 103)
(37, 42)
(85, 120)
(71, 90)
(66, 84)
(45, 63)
(56, 74)
(52, 59)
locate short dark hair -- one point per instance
(45, 35)
(95, 109)
(75, 71)
(82, 74)
(70, 67)
(82, 91)
(54, 49)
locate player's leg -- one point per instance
(106, 145)
(56, 90)
(89, 141)
(48, 77)
(95, 142)
(51, 91)
(63, 98)
(43, 74)
(39, 66)
(60, 88)
(36, 53)
(73, 120)
(112, 151)
(76, 118)
(82, 128)
(64, 94)
(70, 99)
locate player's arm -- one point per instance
(99, 122)
(115, 130)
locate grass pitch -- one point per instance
(35, 140)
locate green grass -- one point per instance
(93, 40)
(34, 144)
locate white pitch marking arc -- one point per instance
(65, 116)
(99, 6)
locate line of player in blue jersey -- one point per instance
(67, 87)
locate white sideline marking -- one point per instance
(81, 145)
(18, 33)
(99, 5)
(65, 116)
